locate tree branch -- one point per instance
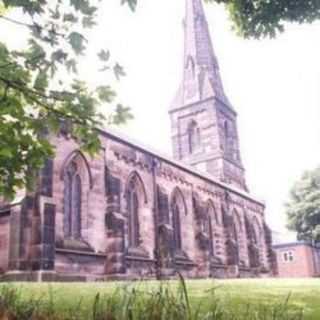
(14, 63)
(49, 107)
(31, 26)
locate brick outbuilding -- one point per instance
(297, 260)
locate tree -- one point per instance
(267, 18)
(40, 90)
(303, 209)
(264, 18)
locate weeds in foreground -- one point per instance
(130, 303)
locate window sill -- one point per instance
(137, 252)
(216, 260)
(139, 258)
(78, 245)
(181, 258)
(80, 252)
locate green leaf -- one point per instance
(71, 65)
(106, 94)
(77, 42)
(88, 22)
(41, 82)
(104, 55)
(118, 71)
(35, 52)
(55, 14)
(5, 152)
(122, 114)
(59, 56)
(69, 17)
(131, 3)
(83, 6)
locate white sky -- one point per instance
(273, 84)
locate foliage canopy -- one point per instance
(41, 91)
(267, 18)
(303, 209)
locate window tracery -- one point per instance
(136, 198)
(133, 215)
(176, 223)
(212, 218)
(72, 201)
(178, 209)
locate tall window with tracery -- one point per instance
(133, 214)
(194, 137)
(72, 201)
(211, 217)
(206, 228)
(256, 233)
(176, 224)
(230, 145)
(237, 229)
(255, 237)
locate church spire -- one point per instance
(204, 125)
(197, 38)
(201, 76)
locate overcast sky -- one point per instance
(274, 85)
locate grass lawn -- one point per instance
(236, 294)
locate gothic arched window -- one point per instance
(72, 201)
(254, 236)
(237, 229)
(176, 224)
(194, 137)
(178, 210)
(210, 230)
(227, 142)
(230, 142)
(213, 213)
(136, 198)
(206, 228)
(205, 225)
(237, 225)
(77, 183)
(256, 232)
(212, 218)
(255, 248)
(226, 130)
(133, 215)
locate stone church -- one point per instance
(131, 212)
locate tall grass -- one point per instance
(135, 302)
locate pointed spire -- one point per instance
(197, 37)
(200, 63)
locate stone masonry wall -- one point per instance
(103, 251)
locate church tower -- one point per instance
(204, 123)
